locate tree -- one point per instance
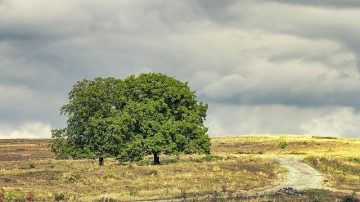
(151, 114)
(169, 118)
(95, 128)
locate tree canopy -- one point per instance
(151, 114)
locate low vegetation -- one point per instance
(237, 166)
(268, 145)
(341, 173)
(179, 176)
(308, 195)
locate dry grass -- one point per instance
(20, 149)
(267, 145)
(85, 179)
(342, 173)
(182, 176)
(308, 195)
(28, 166)
(337, 158)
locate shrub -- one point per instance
(324, 137)
(59, 197)
(14, 195)
(350, 198)
(74, 177)
(109, 176)
(31, 166)
(208, 158)
(283, 144)
(355, 160)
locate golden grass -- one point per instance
(182, 176)
(85, 180)
(239, 164)
(342, 173)
(307, 195)
(297, 145)
(337, 158)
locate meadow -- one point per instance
(238, 168)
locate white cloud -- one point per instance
(27, 130)
(341, 121)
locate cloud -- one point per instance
(342, 122)
(27, 130)
(306, 21)
(349, 4)
(267, 59)
(279, 119)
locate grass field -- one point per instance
(342, 173)
(238, 165)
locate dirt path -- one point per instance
(300, 175)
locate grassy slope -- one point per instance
(27, 166)
(338, 159)
(235, 168)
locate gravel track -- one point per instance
(300, 175)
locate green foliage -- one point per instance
(128, 119)
(355, 160)
(14, 196)
(31, 166)
(283, 144)
(350, 198)
(74, 177)
(324, 137)
(208, 158)
(59, 197)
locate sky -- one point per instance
(263, 66)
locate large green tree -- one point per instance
(169, 118)
(95, 128)
(146, 115)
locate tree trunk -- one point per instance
(156, 158)
(101, 161)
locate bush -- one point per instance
(74, 177)
(14, 195)
(59, 197)
(208, 158)
(283, 144)
(31, 166)
(324, 137)
(350, 198)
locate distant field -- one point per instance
(20, 149)
(238, 165)
(297, 145)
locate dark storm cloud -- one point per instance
(241, 56)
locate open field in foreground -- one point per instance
(238, 165)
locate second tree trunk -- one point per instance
(156, 158)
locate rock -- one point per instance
(289, 191)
